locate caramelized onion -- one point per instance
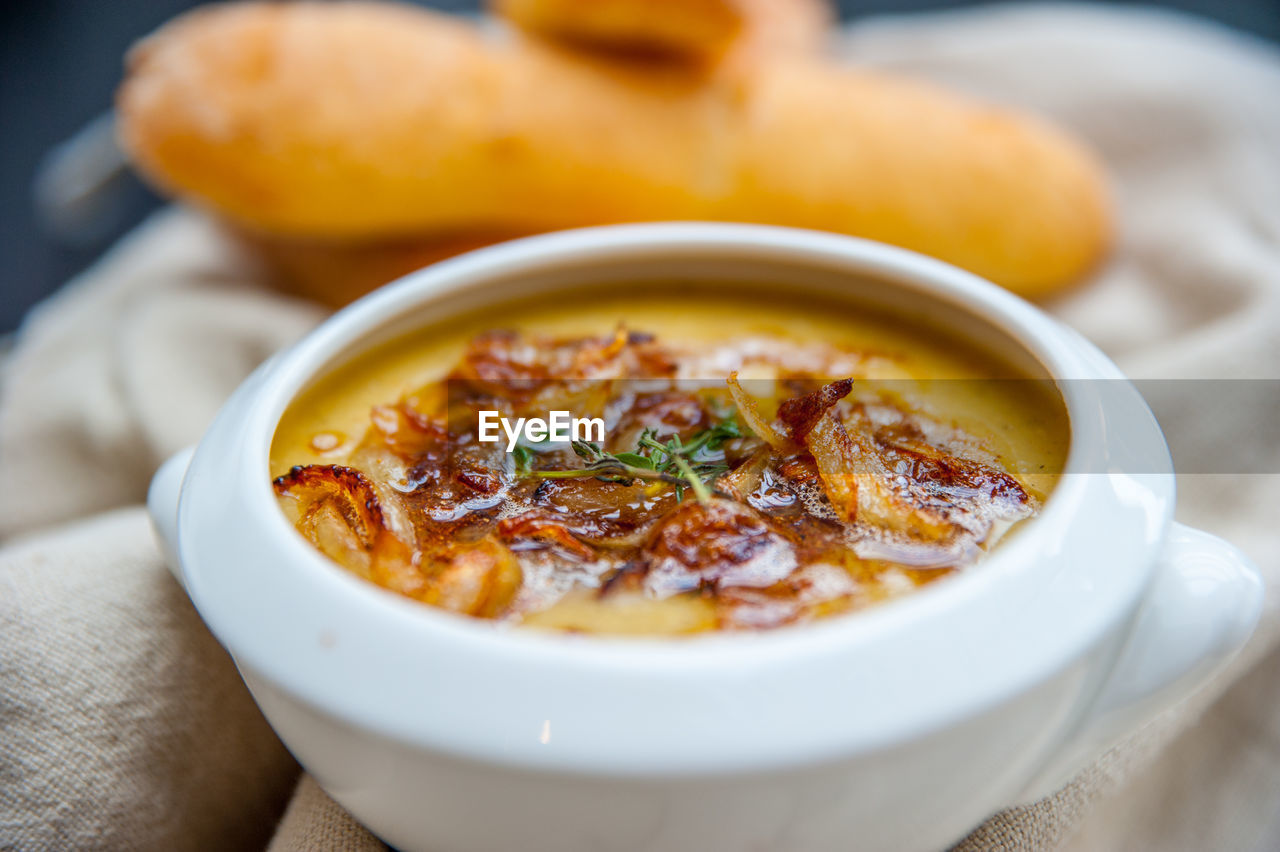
(345, 490)
(537, 529)
(854, 476)
(338, 509)
(834, 455)
(750, 414)
(480, 579)
(802, 413)
(740, 482)
(715, 544)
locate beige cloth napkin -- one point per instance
(126, 726)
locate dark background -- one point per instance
(60, 61)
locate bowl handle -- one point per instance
(1203, 603)
(162, 506)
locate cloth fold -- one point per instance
(126, 725)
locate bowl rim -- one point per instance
(249, 421)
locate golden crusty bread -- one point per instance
(365, 122)
(709, 35)
(700, 30)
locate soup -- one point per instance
(666, 461)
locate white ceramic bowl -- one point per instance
(898, 729)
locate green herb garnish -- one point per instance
(674, 462)
(523, 457)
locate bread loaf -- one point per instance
(364, 122)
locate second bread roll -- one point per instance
(694, 30)
(353, 121)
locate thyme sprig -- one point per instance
(693, 464)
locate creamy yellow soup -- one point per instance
(758, 462)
